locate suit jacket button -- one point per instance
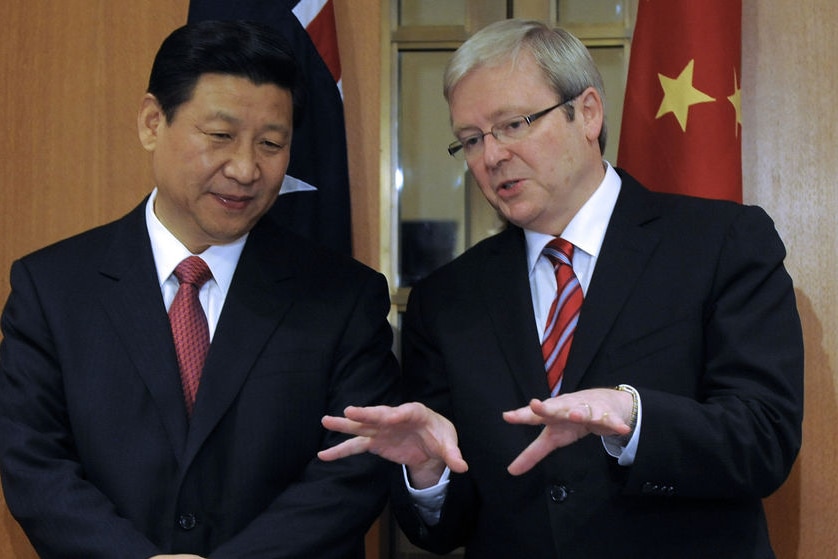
(187, 521)
(559, 493)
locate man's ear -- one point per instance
(592, 112)
(149, 121)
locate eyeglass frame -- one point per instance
(457, 146)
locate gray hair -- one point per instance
(566, 63)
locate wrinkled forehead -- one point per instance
(492, 92)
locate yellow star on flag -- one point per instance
(736, 101)
(679, 94)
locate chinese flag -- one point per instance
(314, 199)
(682, 118)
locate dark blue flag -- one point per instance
(314, 200)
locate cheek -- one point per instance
(488, 193)
(191, 162)
(553, 168)
(206, 166)
(482, 180)
(274, 169)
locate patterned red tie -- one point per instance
(189, 325)
(564, 312)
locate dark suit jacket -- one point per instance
(689, 303)
(98, 458)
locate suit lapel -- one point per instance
(259, 296)
(131, 297)
(626, 249)
(506, 293)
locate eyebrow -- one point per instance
(497, 116)
(466, 131)
(227, 117)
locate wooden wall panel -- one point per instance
(359, 43)
(359, 38)
(71, 77)
(790, 128)
(72, 73)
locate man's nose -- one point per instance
(494, 151)
(243, 165)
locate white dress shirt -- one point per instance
(169, 252)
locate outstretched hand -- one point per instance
(410, 434)
(566, 419)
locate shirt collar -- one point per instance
(587, 228)
(169, 251)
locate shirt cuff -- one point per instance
(625, 454)
(429, 501)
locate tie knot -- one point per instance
(559, 251)
(193, 270)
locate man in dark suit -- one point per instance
(104, 453)
(685, 358)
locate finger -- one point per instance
(412, 413)
(454, 460)
(523, 416)
(549, 411)
(350, 447)
(368, 414)
(610, 424)
(599, 422)
(530, 456)
(343, 425)
(581, 413)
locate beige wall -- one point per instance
(72, 72)
(71, 76)
(789, 137)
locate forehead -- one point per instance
(491, 92)
(215, 92)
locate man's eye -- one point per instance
(273, 146)
(515, 125)
(471, 141)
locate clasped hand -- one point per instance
(426, 442)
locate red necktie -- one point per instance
(564, 312)
(189, 325)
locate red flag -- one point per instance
(682, 123)
(318, 18)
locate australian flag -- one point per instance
(314, 199)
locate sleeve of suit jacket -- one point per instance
(326, 512)
(691, 304)
(63, 514)
(730, 427)
(76, 504)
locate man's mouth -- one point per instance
(233, 202)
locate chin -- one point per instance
(226, 235)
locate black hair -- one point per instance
(238, 48)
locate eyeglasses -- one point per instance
(504, 132)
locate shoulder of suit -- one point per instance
(283, 243)
(88, 242)
(463, 268)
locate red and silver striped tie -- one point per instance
(564, 312)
